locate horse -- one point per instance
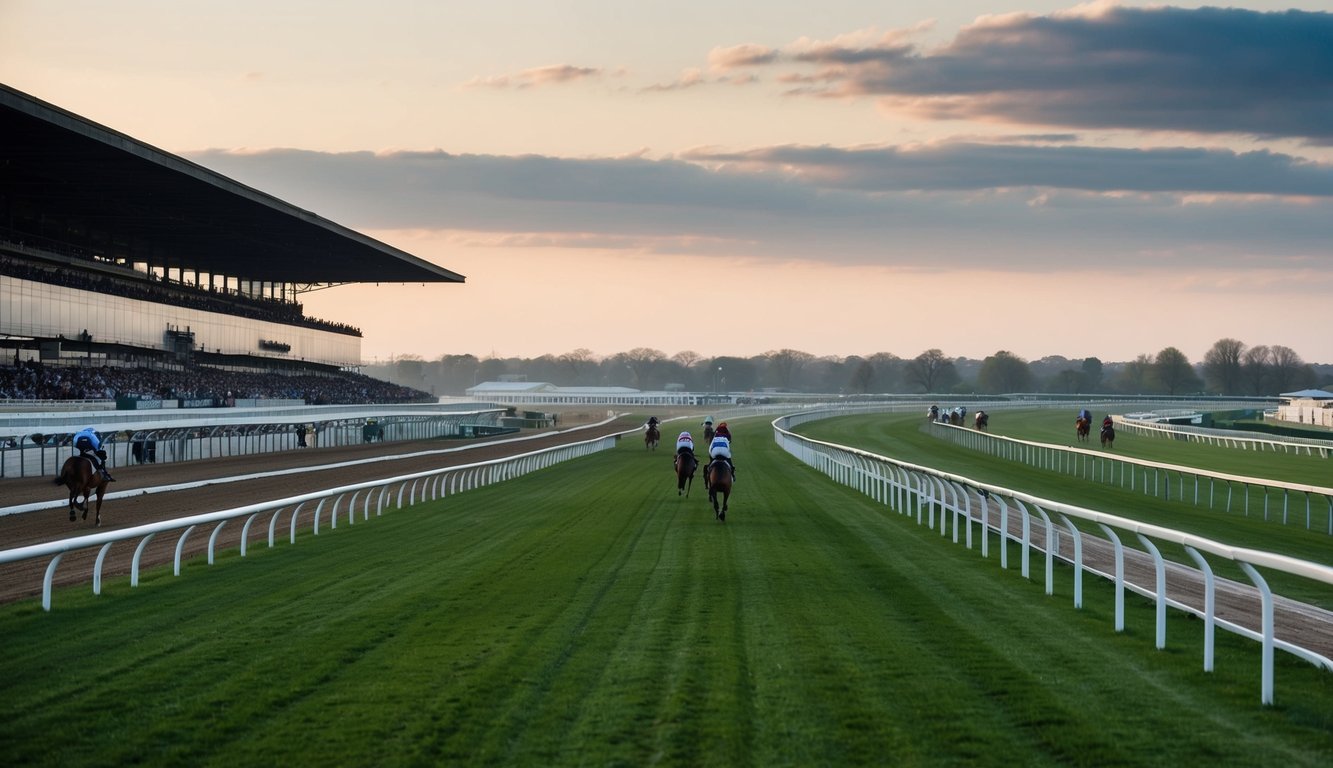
(1081, 429)
(651, 437)
(708, 434)
(983, 421)
(1108, 437)
(82, 479)
(719, 479)
(685, 466)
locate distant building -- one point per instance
(1308, 406)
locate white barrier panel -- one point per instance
(952, 502)
(395, 492)
(1167, 481)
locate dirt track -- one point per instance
(20, 580)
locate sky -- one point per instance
(843, 178)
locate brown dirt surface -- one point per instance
(24, 579)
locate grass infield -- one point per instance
(586, 615)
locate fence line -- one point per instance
(952, 502)
(214, 433)
(1227, 437)
(1199, 487)
(391, 493)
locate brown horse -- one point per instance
(685, 466)
(708, 434)
(719, 480)
(983, 421)
(1108, 437)
(1081, 428)
(82, 479)
(651, 437)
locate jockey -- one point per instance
(684, 444)
(1086, 415)
(1107, 423)
(653, 422)
(89, 445)
(723, 431)
(720, 448)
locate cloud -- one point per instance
(1206, 70)
(748, 55)
(1017, 208)
(976, 166)
(537, 76)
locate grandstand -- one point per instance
(116, 254)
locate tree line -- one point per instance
(1230, 367)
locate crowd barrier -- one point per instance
(136, 437)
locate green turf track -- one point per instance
(900, 436)
(584, 615)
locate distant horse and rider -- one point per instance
(1108, 433)
(1083, 425)
(720, 474)
(652, 436)
(685, 464)
(720, 478)
(982, 421)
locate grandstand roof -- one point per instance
(57, 163)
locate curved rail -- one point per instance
(955, 503)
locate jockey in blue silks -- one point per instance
(89, 445)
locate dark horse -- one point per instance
(708, 434)
(1108, 437)
(719, 479)
(82, 479)
(685, 466)
(651, 437)
(983, 420)
(1081, 428)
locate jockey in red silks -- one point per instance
(721, 447)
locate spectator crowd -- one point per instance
(32, 380)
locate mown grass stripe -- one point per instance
(587, 615)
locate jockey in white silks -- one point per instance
(720, 448)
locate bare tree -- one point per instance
(1222, 366)
(888, 371)
(1173, 372)
(786, 363)
(1288, 370)
(863, 375)
(643, 362)
(687, 358)
(1134, 375)
(1004, 372)
(581, 362)
(1256, 369)
(932, 371)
